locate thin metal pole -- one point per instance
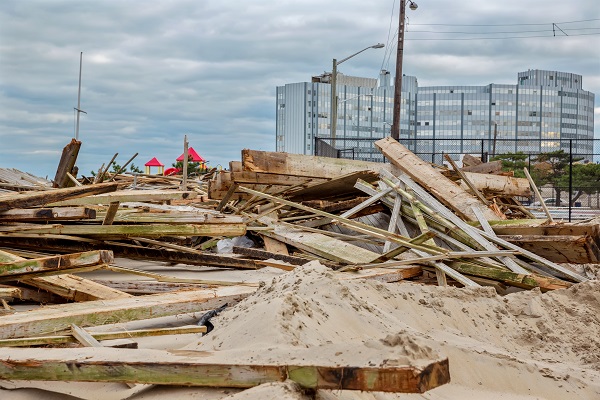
(570, 176)
(398, 82)
(79, 97)
(185, 163)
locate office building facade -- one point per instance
(544, 111)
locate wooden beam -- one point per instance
(303, 165)
(316, 243)
(136, 333)
(275, 246)
(47, 214)
(467, 181)
(54, 263)
(33, 199)
(433, 181)
(173, 368)
(51, 319)
(127, 196)
(111, 212)
(75, 288)
(123, 231)
(538, 195)
(135, 252)
(66, 164)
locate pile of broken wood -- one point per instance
(391, 222)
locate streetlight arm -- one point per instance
(376, 46)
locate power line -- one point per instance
(503, 32)
(504, 37)
(537, 24)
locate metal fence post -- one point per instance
(570, 177)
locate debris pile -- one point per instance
(288, 266)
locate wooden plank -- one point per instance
(266, 178)
(387, 275)
(128, 196)
(119, 231)
(148, 287)
(433, 181)
(47, 214)
(499, 184)
(135, 333)
(275, 246)
(336, 187)
(538, 195)
(9, 291)
(52, 319)
(111, 212)
(467, 181)
(303, 165)
(511, 278)
(84, 337)
(559, 248)
(47, 197)
(66, 164)
(194, 368)
(136, 252)
(316, 243)
(75, 288)
(491, 167)
(61, 262)
(265, 255)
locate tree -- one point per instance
(193, 167)
(551, 168)
(585, 179)
(514, 162)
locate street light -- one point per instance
(398, 83)
(333, 124)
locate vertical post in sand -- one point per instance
(185, 163)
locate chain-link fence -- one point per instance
(574, 196)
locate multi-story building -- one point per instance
(544, 111)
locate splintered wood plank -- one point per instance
(117, 231)
(303, 165)
(559, 248)
(136, 333)
(66, 164)
(319, 244)
(200, 368)
(47, 214)
(500, 184)
(433, 181)
(129, 196)
(33, 199)
(76, 288)
(136, 252)
(56, 263)
(265, 178)
(52, 319)
(275, 246)
(9, 291)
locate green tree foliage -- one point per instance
(553, 168)
(193, 168)
(586, 179)
(514, 162)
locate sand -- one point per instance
(522, 346)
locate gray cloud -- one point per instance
(155, 70)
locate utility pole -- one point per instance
(333, 124)
(395, 131)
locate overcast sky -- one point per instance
(156, 70)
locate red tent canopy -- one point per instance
(195, 156)
(154, 163)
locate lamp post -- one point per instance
(333, 113)
(398, 83)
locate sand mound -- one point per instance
(525, 343)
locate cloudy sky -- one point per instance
(154, 70)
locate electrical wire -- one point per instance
(538, 24)
(499, 38)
